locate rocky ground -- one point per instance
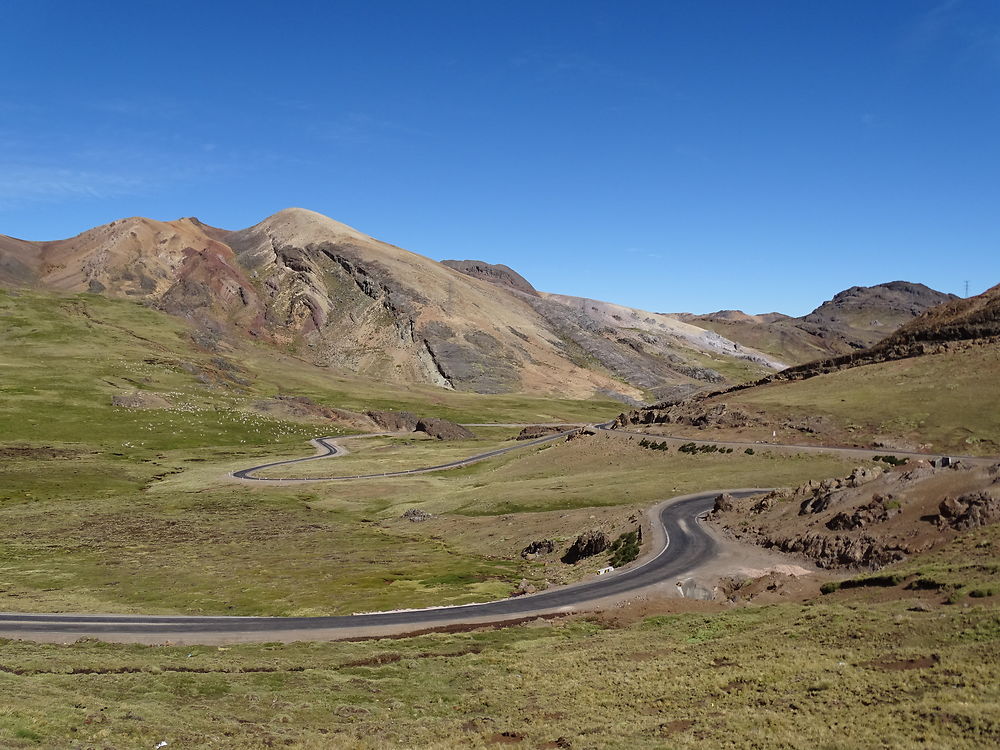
(869, 519)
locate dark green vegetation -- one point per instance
(891, 460)
(624, 549)
(654, 446)
(708, 448)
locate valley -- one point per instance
(127, 410)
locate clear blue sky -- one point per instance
(666, 155)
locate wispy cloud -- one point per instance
(32, 183)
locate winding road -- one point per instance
(679, 545)
(329, 447)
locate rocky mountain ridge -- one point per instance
(320, 289)
(852, 320)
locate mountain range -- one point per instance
(326, 292)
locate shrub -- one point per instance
(624, 549)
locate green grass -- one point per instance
(792, 676)
(949, 402)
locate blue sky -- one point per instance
(666, 155)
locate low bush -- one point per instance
(624, 549)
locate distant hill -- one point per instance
(932, 384)
(854, 319)
(974, 319)
(308, 285)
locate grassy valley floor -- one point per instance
(121, 509)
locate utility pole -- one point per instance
(966, 288)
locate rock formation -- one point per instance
(586, 545)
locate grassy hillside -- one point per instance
(830, 675)
(65, 357)
(945, 402)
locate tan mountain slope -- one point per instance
(854, 319)
(342, 299)
(663, 355)
(369, 307)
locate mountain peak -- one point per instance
(306, 226)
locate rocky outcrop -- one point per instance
(874, 512)
(586, 545)
(970, 511)
(534, 432)
(822, 495)
(724, 503)
(693, 412)
(415, 515)
(285, 406)
(394, 421)
(868, 519)
(498, 274)
(404, 421)
(538, 548)
(442, 429)
(841, 551)
(524, 587)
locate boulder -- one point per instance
(523, 588)
(586, 545)
(842, 551)
(970, 511)
(416, 515)
(724, 503)
(542, 547)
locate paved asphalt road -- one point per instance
(680, 545)
(328, 447)
(687, 546)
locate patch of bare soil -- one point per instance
(635, 610)
(37, 452)
(675, 727)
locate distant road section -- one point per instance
(329, 447)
